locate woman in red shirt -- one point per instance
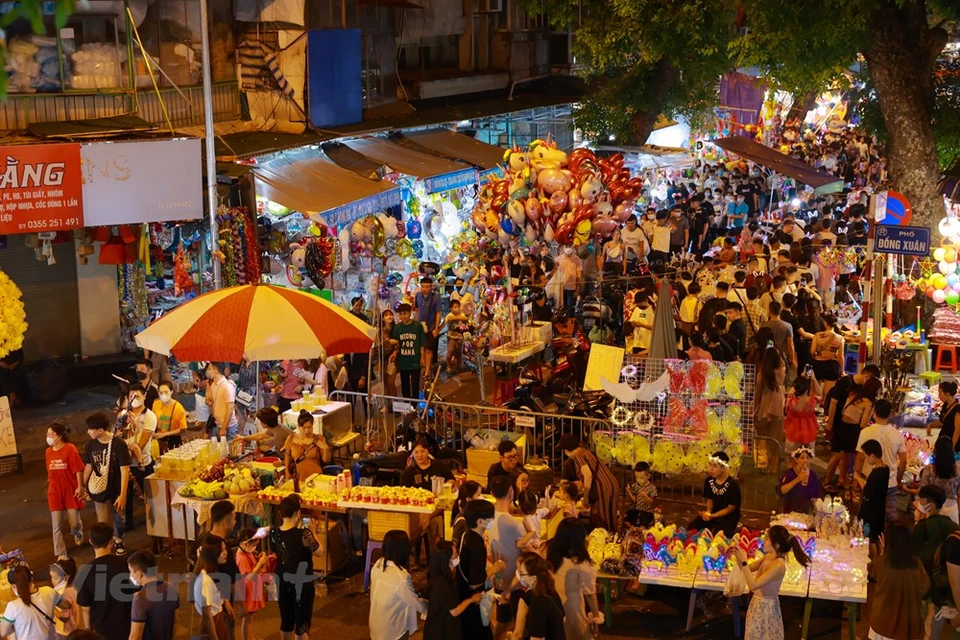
(65, 491)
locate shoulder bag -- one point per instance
(97, 483)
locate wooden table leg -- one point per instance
(690, 608)
(807, 610)
(735, 603)
(852, 620)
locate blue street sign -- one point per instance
(907, 241)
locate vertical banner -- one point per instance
(40, 188)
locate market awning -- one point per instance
(308, 182)
(438, 174)
(783, 164)
(453, 146)
(92, 128)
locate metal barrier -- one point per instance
(456, 424)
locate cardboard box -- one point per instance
(479, 461)
(537, 332)
(334, 554)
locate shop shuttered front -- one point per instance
(49, 296)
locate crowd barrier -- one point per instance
(383, 417)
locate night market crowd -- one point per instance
(770, 289)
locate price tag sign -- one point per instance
(41, 188)
(402, 407)
(527, 422)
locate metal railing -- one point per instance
(454, 424)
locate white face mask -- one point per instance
(454, 562)
(489, 525)
(165, 398)
(527, 582)
(51, 441)
(136, 403)
(134, 581)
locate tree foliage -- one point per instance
(32, 12)
(643, 58)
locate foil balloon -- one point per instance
(345, 248)
(390, 246)
(603, 208)
(530, 234)
(516, 212)
(533, 209)
(548, 234)
(558, 201)
(414, 230)
(405, 248)
(591, 189)
(417, 246)
(507, 225)
(394, 279)
(396, 262)
(605, 225)
(623, 211)
(379, 237)
(552, 180)
(575, 198)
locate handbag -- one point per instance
(97, 483)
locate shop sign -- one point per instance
(905, 241)
(145, 181)
(40, 188)
(449, 181)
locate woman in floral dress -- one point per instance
(763, 578)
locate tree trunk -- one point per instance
(659, 83)
(900, 57)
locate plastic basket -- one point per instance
(379, 522)
(10, 465)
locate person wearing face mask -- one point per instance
(142, 425)
(145, 375)
(64, 486)
(394, 604)
(540, 613)
(154, 610)
(474, 570)
(67, 618)
(443, 607)
(171, 418)
(679, 231)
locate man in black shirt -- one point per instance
(736, 328)
(104, 590)
(722, 495)
(154, 611)
(509, 464)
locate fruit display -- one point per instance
(239, 480)
(216, 471)
(198, 488)
(412, 496)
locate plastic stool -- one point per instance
(942, 351)
(503, 391)
(851, 362)
(372, 545)
(932, 378)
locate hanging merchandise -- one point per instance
(182, 280)
(237, 248)
(139, 293)
(13, 323)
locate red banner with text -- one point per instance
(41, 188)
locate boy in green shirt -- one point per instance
(410, 355)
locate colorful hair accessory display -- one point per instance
(668, 457)
(733, 380)
(697, 416)
(603, 446)
(698, 455)
(678, 375)
(734, 452)
(714, 381)
(730, 424)
(629, 371)
(641, 448)
(697, 376)
(621, 416)
(713, 424)
(623, 451)
(677, 413)
(643, 420)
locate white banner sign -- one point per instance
(144, 181)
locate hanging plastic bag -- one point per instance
(736, 585)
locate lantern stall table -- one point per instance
(508, 359)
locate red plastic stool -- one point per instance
(503, 391)
(942, 351)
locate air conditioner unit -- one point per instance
(491, 6)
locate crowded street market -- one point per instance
(420, 382)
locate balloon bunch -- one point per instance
(547, 194)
